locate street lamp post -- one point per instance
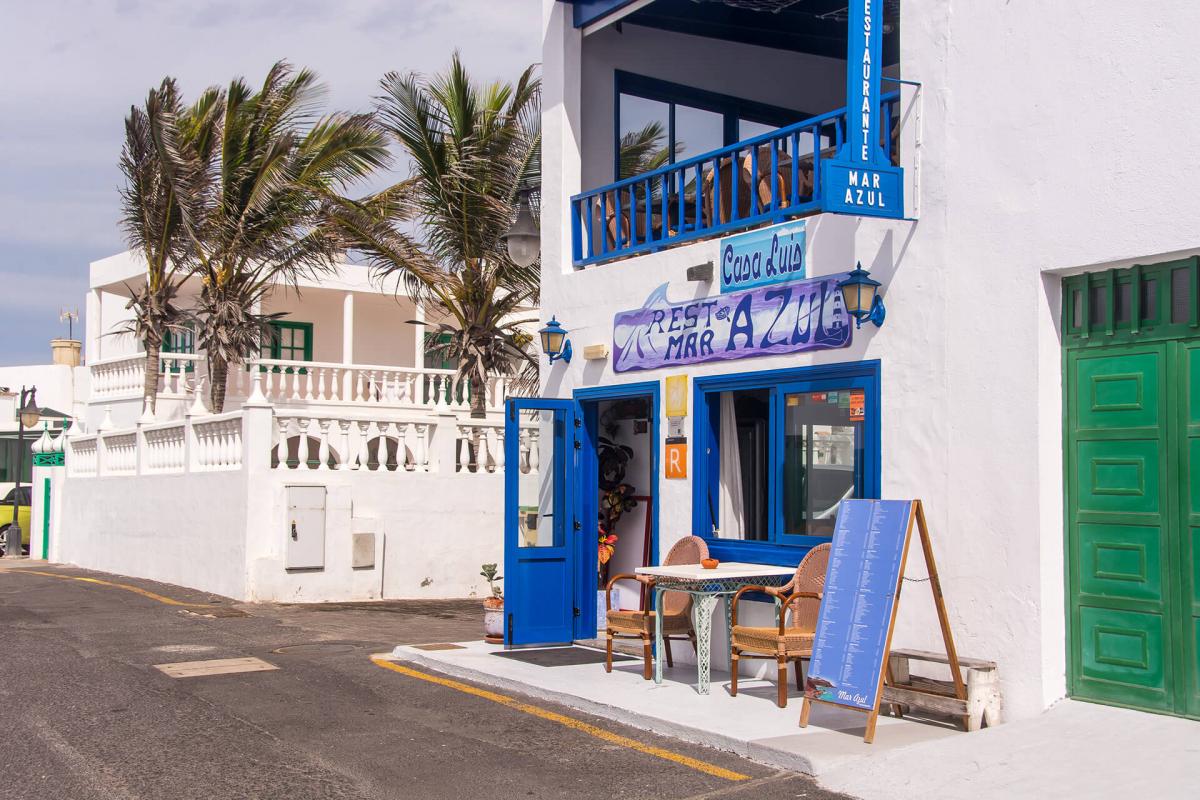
(27, 417)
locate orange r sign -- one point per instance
(676, 455)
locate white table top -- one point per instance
(726, 569)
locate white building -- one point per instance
(1011, 150)
(330, 474)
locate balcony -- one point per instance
(755, 182)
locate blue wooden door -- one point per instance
(540, 519)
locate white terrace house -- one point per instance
(345, 464)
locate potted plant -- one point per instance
(493, 606)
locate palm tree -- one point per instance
(152, 223)
(473, 148)
(254, 201)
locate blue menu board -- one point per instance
(860, 596)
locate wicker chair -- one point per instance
(677, 609)
(792, 638)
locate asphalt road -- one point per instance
(85, 714)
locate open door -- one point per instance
(540, 515)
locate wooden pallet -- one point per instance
(904, 690)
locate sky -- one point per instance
(72, 68)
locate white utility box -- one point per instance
(305, 530)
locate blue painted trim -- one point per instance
(782, 550)
(588, 398)
(588, 11)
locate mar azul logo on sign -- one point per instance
(761, 257)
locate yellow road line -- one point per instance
(135, 589)
(562, 719)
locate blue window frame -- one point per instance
(737, 118)
(807, 438)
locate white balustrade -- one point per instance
(118, 377)
(124, 376)
(82, 455)
(316, 382)
(480, 447)
(164, 448)
(217, 443)
(319, 442)
(118, 453)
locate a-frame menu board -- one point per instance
(858, 607)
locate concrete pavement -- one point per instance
(84, 713)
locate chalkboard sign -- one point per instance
(853, 631)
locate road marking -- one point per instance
(562, 719)
(135, 589)
(215, 666)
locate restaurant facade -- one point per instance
(805, 251)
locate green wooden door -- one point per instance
(1188, 542)
(1133, 519)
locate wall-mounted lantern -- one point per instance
(860, 294)
(554, 341)
(523, 241)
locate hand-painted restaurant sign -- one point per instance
(860, 179)
(764, 256)
(766, 321)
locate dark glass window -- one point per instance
(1098, 305)
(1180, 296)
(1149, 299)
(1124, 301)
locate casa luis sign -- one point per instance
(764, 321)
(764, 256)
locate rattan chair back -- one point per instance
(810, 577)
(688, 550)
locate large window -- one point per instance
(658, 122)
(777, 451)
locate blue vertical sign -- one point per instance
(860, 179)
(859, 600)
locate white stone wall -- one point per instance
(1053, 139)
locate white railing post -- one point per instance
(257, 423)
(443, 455)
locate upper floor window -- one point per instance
(292, 341)
(658, 122)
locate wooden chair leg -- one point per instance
(733, 672)
(646, 657)
(667, 650)
(783, 682)
(608, 651)
(800, 674)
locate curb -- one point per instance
(758, 753)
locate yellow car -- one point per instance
(6, 516)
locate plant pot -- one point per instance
(493, 620)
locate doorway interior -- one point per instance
(619, 480)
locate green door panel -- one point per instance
(1124, 650)
(1120, 561)
(1119, 476)
(1121, 392)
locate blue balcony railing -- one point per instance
(778, 177)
